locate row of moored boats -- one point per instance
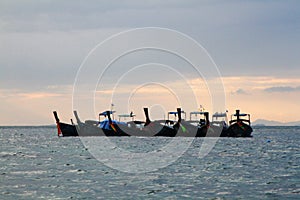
(198, 125)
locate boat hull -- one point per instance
(67, 130)
(153, 129)
(121, 131)
(64, 129)
(239, 129)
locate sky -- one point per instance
(254, 44)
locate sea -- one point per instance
(37, 164)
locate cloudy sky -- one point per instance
(255, 45)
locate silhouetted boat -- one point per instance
(219, 122)
(111, 127)
(203, 123)
(64, 129)
(240, 125)
(96, 128)
(170, 128)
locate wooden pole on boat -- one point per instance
(56, 117)
(179, 114)
(108, 116)
(237, 113)
(206, 115)
(148, 121)
(110, 121)
(59, 133)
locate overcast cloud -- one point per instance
(43, 43)
(243, 37)
(282, 89)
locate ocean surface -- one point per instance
(36, 164)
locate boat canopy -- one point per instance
(105, 124)
(219, 114)
(174, 112)
(241, 115)
(126, 115)
(105, 113)
(197, 113)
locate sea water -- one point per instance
(36, 164)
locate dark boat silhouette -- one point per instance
(219, 124)
(111, 127)
(64, 129)
(199, 127)
(240, 125)
(92, 128)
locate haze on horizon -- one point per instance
(255, 45)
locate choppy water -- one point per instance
(36, 164)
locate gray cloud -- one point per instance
(196, 15)
(44, 42)
(282, 89)
(239, 91)
(63, 15)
